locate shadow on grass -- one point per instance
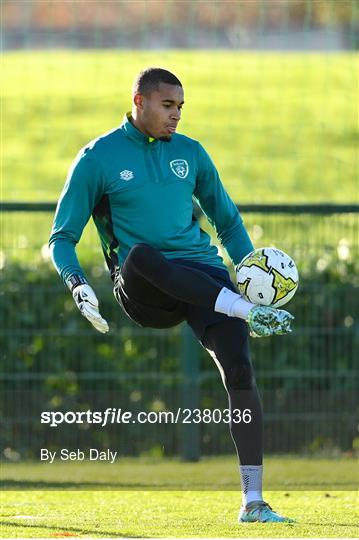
(42, 485)
(334, 524)
(106, 534)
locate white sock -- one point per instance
(251, 477)
(232, 304)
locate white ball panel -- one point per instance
(260, 294)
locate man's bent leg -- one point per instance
(171, 278)
(144, 303)
(196, 287)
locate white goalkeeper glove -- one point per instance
(266, 321)
(87, 303)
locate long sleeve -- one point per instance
(220, 210)
(82, 190)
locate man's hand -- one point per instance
(266, 321)
(87, 303)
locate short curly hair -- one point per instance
(149, 79)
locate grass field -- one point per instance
(280, 473)
(110, 511)
(283, 124)
(143, 514)
(286, 126)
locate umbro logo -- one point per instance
(126, 175)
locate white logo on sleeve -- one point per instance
(126, 175)
(180, 168)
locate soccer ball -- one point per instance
(267, 276)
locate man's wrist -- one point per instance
(75, 280)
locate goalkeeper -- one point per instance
(138, 182)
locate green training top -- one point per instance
(142, 190)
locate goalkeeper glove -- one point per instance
(266, 321)
(87, 303)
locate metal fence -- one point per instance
(53, 360)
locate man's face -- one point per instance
(160, 111)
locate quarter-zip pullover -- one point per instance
(142, 190)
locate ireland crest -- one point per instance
(179, 167)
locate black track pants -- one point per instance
(173, 280)
(159, 293)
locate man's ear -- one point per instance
(138, 100)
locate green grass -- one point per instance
(142, 512)
(280, 127)
(287, 472)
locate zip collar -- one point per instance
(135, 134)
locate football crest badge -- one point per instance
(180, 168)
